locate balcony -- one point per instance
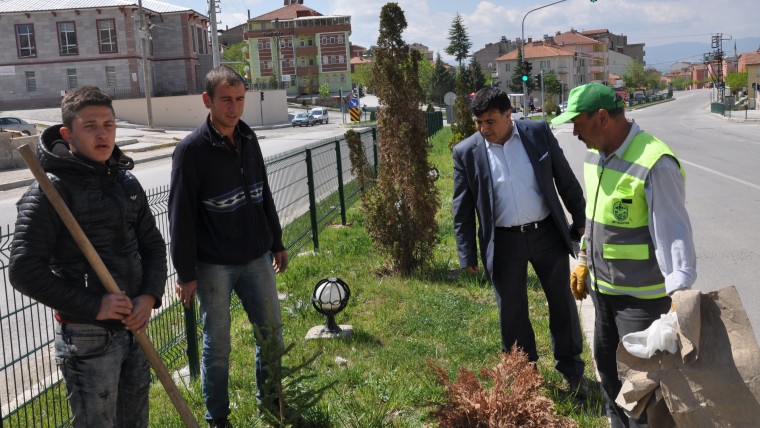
(306, 51)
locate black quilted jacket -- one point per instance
(112, 209)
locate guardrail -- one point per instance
(311, 188)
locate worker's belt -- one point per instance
(527, 227)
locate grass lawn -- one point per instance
(400, 324)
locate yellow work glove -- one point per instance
(578, 279)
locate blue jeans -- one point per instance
(107, 376)
(254, 284)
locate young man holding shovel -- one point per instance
(106, 373)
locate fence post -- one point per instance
(339, 166)
(374, 149)
(191, 333)
(312, 200)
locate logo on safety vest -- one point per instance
(620, 211)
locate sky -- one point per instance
(653, 22)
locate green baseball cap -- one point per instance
(588, 97)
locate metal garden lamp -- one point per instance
(330, 296)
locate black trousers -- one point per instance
(544, 250)
(617, 316)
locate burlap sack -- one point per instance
(713, 381)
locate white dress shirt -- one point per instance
(517, 198)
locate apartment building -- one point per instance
(50, 47)
(300, 49)
(486, 57)
(569, 67)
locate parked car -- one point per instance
(320, 114)
(302, 119)
(16, 124)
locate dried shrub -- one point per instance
(514, 399)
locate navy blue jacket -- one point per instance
(221, 209)
(113, 211)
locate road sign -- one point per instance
(353, 103)
(355, 114)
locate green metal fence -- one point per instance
(312, 188)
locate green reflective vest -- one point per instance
(621, 254)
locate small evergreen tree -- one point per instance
(441, 81)
(459, 41)
(477, 78)
(464, 125)
(400, 209)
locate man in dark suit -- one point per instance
(509, 174)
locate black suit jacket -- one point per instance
(473, 190)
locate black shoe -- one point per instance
(219, 423)
(577, 386)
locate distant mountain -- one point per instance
(663, 56)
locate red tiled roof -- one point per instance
(573, 38)
(291, 11)
(590, 32)
(533, 51)
(751, 58)
(355, 60)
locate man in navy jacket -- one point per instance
(507, 176)
(225, 235)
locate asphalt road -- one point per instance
(721, 160)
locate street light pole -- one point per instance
(522, 51)
(146, 74)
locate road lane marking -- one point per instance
(718, 173)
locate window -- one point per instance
(110, 76)
(303, 62)
(303, 43)
(25, 40)
(545, 65)
(340, 40)
(201, 40)
(107, 35)
(67, 38)
(342, 59)
(71, 77)
(332, 40)
(342, 78)
(324, 60)
(31, 81)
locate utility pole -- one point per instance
(717, 56)
(214, 33)
(146, 73)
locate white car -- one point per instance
(16, 124)
(320, 114)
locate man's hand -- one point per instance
(578, 279)
(137, 321)
(186, 291)
(280, 261)
(114, 306)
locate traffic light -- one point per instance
(538, 78)
(525, 69)
(262, 95)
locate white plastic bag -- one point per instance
(660, 336)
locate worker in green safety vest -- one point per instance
(638, 247)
